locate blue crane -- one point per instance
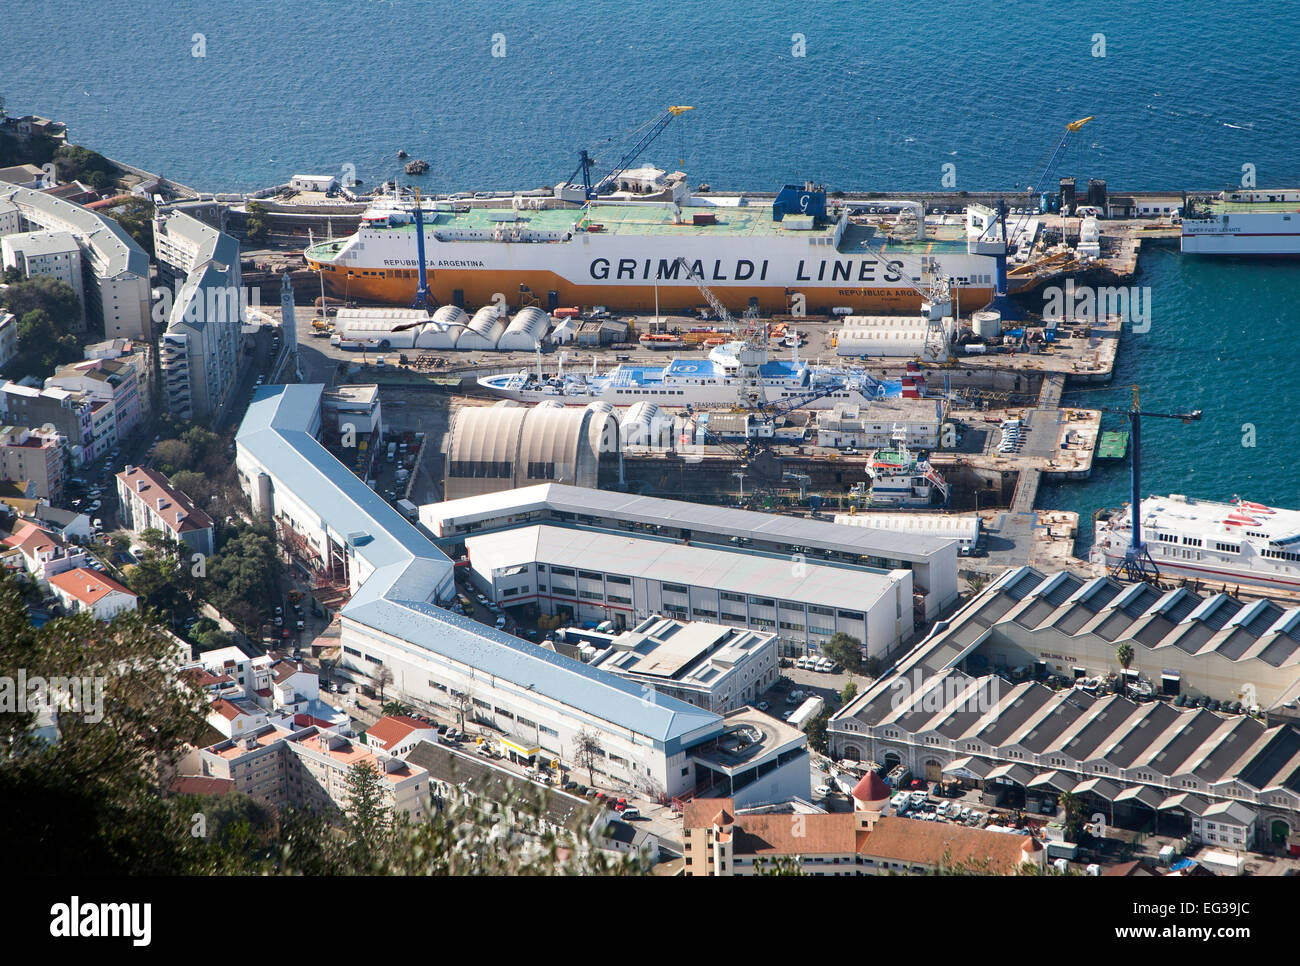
(423, 297)
(1137, 563)
(586, 162)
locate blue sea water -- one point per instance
(883, 97)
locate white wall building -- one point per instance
(118, 302)
(711, 666)
(396, 582)
(200, 350)
(594, 576)
(874, 426)
(52, 253)
(82, 589)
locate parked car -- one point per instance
(630, 814)
(501, 622)
(762, 706)
(822, 790)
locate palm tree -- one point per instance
(1125, 654)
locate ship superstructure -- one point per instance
(1254, 221)
(1239, 542)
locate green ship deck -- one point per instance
(653, 220)
(1112, 445)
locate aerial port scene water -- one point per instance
(538, 440)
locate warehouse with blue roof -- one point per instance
(397, 583)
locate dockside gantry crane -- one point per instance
(586, 162)
(1137, 563)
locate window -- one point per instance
(562, 571)
(675, 589)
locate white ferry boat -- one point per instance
(736, 373)
(1236, 543)
(1257, 221)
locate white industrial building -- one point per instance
(52, 253)
(899, 336)
(711, 666)
(870, 427)
(933, 561)
(118, 301)
(444, 328)
(589, 575)
(484, 330)
(510, 444)
(526, 330)
(646, 425)
(397, 584)
(965, 529)
(381, 325)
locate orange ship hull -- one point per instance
(475, 287)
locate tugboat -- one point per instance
(417, 167)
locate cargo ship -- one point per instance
(1235, 543)
(643, 248)
(738, 373)
(1247, 222)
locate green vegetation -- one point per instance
(818, 740)
(256, 227)
(844, 649)
(48, 316)
(76, 163)
(847, 694)
(136, 216)
(1124, 653)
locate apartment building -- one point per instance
(308, 768)
(68, 413)
(148, 500)
(115, 269)
(33, 456)
(56, 254)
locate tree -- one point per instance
(847, 694)
(171, 456)
(586, 749)
(256, 226)
(844, 649)
(369, 823)
(818, 740)
(1072, 810)
(976, 582)
(135, 215)
(382, 677)
(1125, 654)
(396, 708)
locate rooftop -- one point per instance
(659, 558)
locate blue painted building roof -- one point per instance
(398, 598)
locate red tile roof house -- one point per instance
(85, 590)
(44, 553)
(149, 500)
(397, 734)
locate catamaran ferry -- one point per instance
(737, 373)
(1235, 543)
(631, 251)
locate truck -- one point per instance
(392, 451)
(810, 709)
(408, 509)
